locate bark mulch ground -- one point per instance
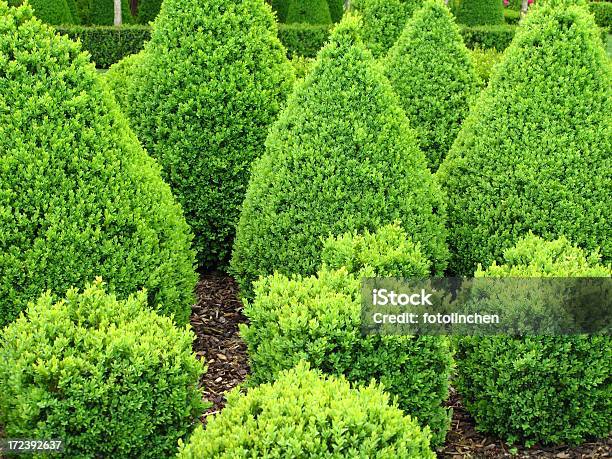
(215, 320)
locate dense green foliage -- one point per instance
(480, 12)
(302, 65)
(483, 61)
(308, 11)
(303, 39)
(551, 389)
(148, 10)
(109, 45)
(280, 7)
(389, 252)
(74, 11)
(120, 74)
(383, 21)
(109, 378)
(336, 9)
(201, 104)
(511, 16)
(78, 195)
(106, 44)
(534, 154)
(52, 11)
(496, 37)
(430, 70)
(304, 415)
(102, 12)
(603, 14)
(318, 319)
(341, 157)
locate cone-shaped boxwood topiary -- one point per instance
(148, 10)
(102, 12)
(336, 9)
(480, 12)
(430, 69)
(383, 21)
(341, 157)
(534, 153)
(109, 378)
(304, 415)
(78, 195)
(202, 103)
(54, 12)
(318, 319)
(551, 389)
(309, 11)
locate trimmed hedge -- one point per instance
(549, 389)
(603, 14)
(534, 154)
(202, 103)
(307, 416)
(341, 157)
(109, 378)
(383, 21)
(303, 39)
(480, 12)
(512, 17)
(318, 319)
(496, 37)
(430, 70)
(79, 197)
(308, 11)
(108, 45)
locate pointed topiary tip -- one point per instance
(348, 30)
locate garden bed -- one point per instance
(215, 320)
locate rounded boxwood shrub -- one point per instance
(430, 69)
(109, 378)
(550, 389)
(534, 153)
(318, 319)
(305, 415)
(202, 102)
(78, 195)
(309, 11)
(341, 157)
(383, 21)
(480, 12)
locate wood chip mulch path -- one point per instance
(215, 321)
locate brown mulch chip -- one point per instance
(215, 319)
